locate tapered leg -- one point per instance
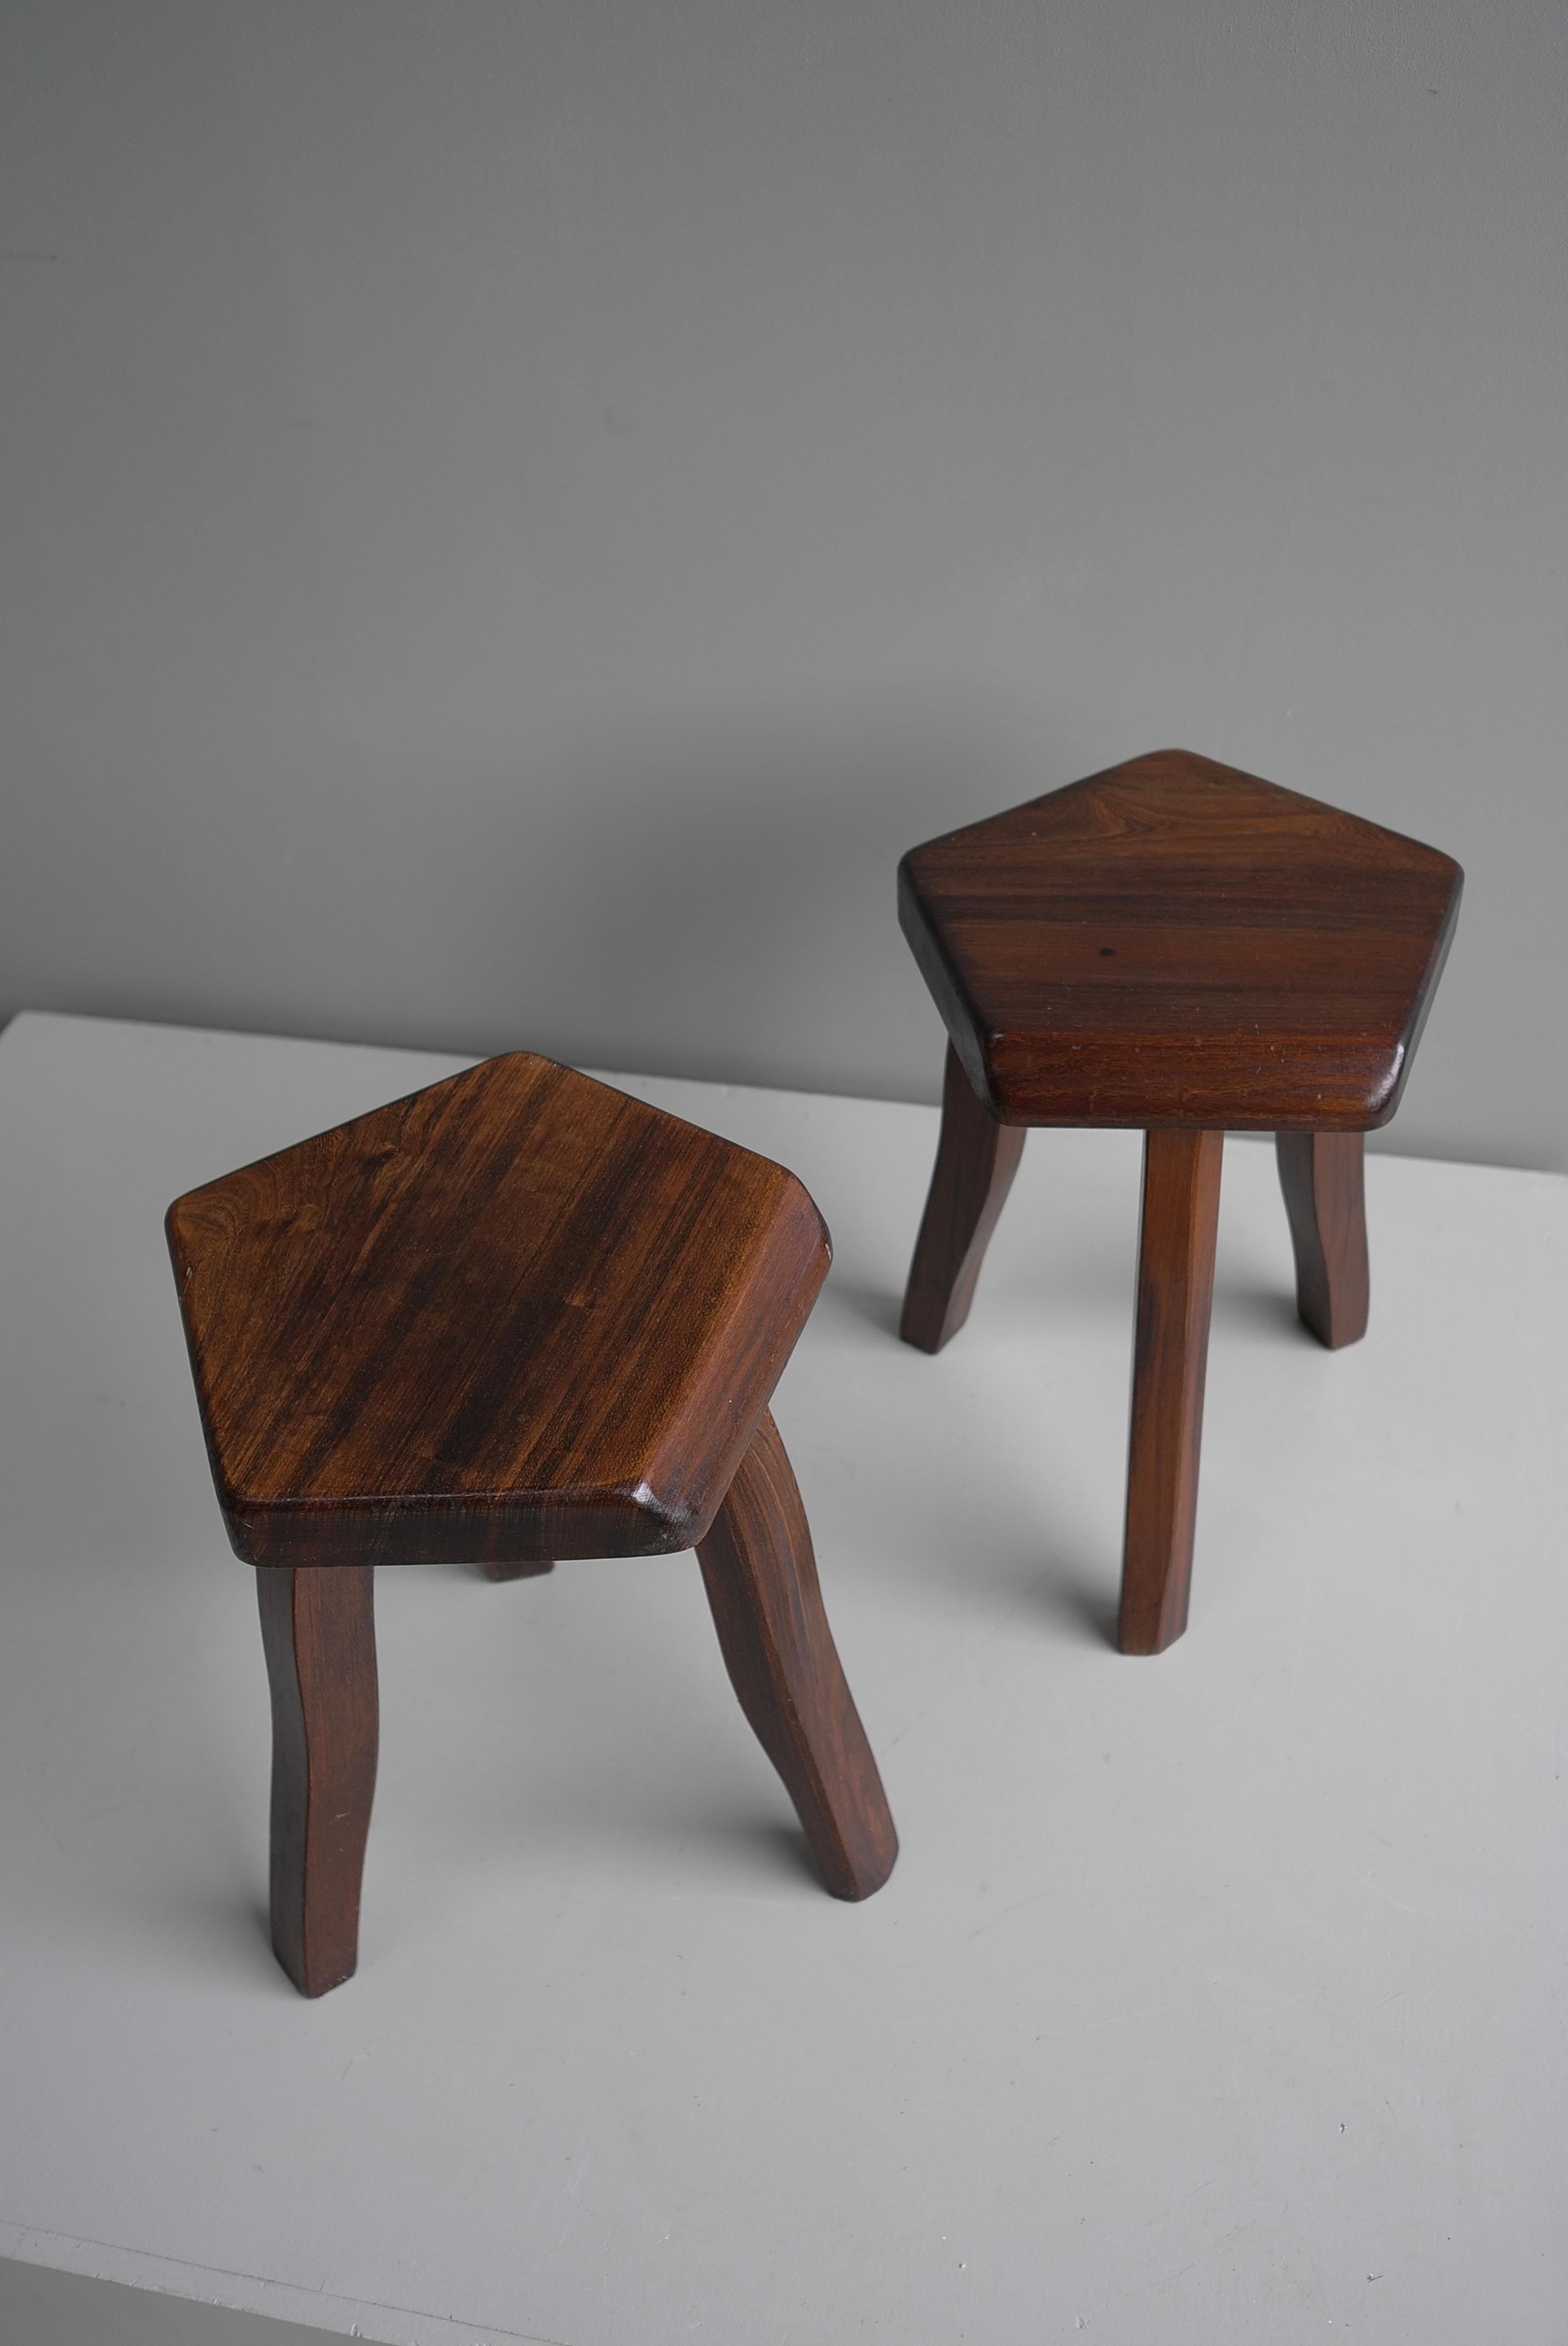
(976, 1158)
(761, 1581)
(1322, 1176)
(1175, 1293)
(516, 1571)
(318, 1625)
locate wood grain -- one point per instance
(317, 1629)
(1173, 943)
(515, 1317)
(1176, 945)
(1323, 1177)
(976, 1160)
(1175, 1293)
(760, 1575)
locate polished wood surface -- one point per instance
(760, 1575)
(1322, 1177)
(318, 1630)
(976, 1160)
(1173, 943)
(515, 1317)
(1178, 946)
(1170, 1356)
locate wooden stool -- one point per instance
(515, 1318)
(1179, 947)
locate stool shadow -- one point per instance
(206, 1934)
(1258, 1309)
(782, 1851)
(876, 1307)
(1085, 1603)
(258, 1919)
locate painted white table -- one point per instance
(1215, 1997)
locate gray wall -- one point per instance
(514, 514)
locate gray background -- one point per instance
(513, 515)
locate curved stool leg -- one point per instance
(318, 1626)
(761, 1581)
(1322, 1175)
(1170, 1357)
(976, 1158)
(516, 1571)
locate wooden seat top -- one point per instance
(515, 1317)
(1173, 943)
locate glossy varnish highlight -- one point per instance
(1174, 946)
(1175, 942)
(515, 1317)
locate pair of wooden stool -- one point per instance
(520, 1316)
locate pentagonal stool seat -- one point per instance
(516, 1318)
(1174, 946)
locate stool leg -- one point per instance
(761, 1581)
(1175, 1292)
(976, 1158)
(318, 1626)
(516, 1571)
(1322, 1175)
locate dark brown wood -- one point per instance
(318, 1627)
(976, 1158)
(1175, 1293)
(1179, 946)
(516, 1317)
(519, 1316)
(1173, 943)
(1322, 1176)
(760, 1575)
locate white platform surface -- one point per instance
(1215, 1997)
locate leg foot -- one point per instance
(318, 1626)
(761, 1581)
(516, 1571)
(976, 1158)
(1322, 1176)
(1176, 1292)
